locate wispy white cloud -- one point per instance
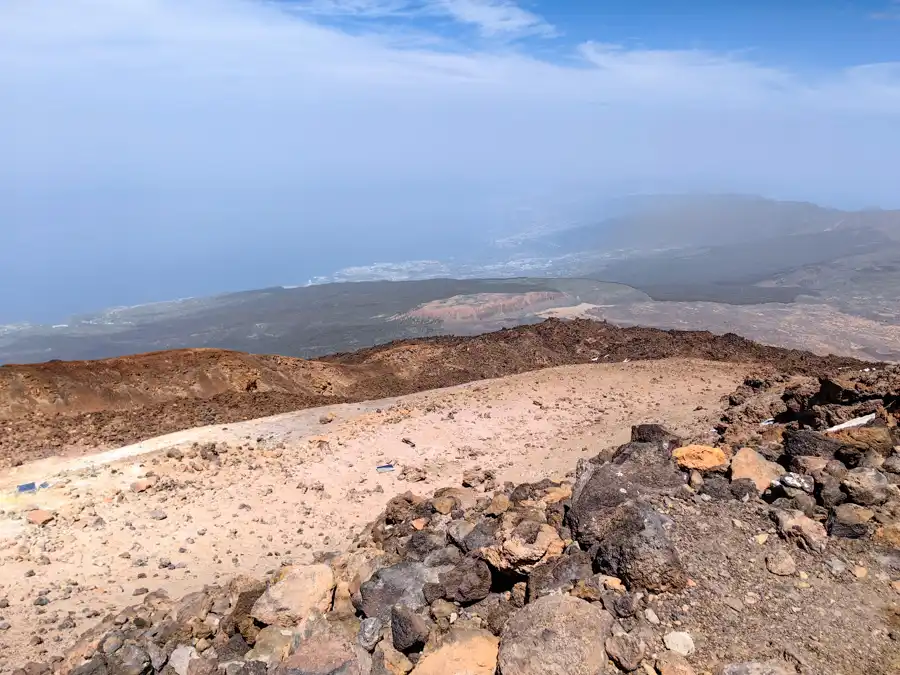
(491, 18)
(497, 17)
(890, 13)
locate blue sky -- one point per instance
(161, 148)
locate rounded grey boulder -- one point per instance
(556, 635)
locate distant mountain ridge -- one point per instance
(679, 221)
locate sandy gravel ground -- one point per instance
(171, 513)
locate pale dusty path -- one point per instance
(289, 485)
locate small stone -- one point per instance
(181, 658)
(696, 480)
(472, 652)
(867, 487)
(300, 590)
(419, 524)
(369, 633)
(413, 474)
(4, 603)
(39, 517)
(679, 642)
(733, 603)
(860, 572)
(651, 616)
(837, 566)
(140, 591)
(613, 584)
(157, 514)
(849, 521)
(112, 644)
(144, 484)
(798, 482)
(443, 505)
(409, 630)
(626, 651)
(781, 563)
(499, 505)
(671, 663)
(5, 625)
(805, 531)
(747, 463)
(762, 538)
(41, 601)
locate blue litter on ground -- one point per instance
(44, 486)
(26, 487)
(384, 468)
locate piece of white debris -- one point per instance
(849, 424)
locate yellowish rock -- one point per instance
(467, 653)
(700, 458)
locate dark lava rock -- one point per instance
(809, 443)
(421, 544)
(744, 489)
(234, 649)
(468, 582)
(655, 433)
(626, 651)
(449, 555)
(558, 575)
(96, 666)
(399, 584)
(719, 487)
(892, 464)
(828, 491)
(129, 660)
(636, 469)
(638, 550)
(369, 633)
(849, 521)
(868, 487)
(409, 630)
(482, 536)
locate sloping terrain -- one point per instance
(66, 407)
(526, 529)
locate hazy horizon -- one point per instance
(156, 149)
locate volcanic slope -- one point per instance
(71, 407)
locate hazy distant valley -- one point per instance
(784, 273)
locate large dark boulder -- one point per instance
(638, 550)
(400, 584)
(636, 470)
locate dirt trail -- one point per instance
(285, 486)
(76, 407)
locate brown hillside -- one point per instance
(66, 406)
